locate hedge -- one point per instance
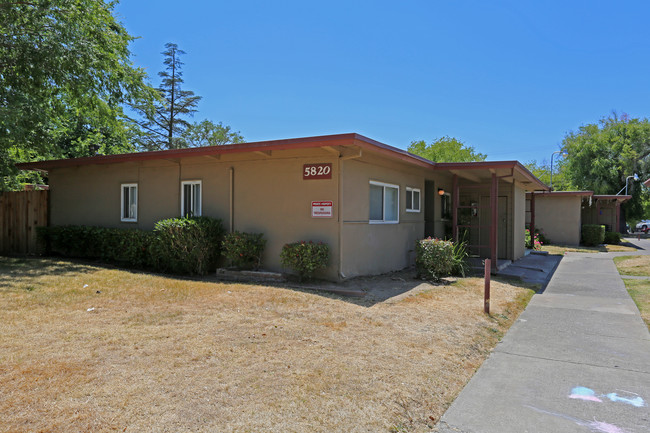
(612, 238)
(305, 258)
(177, 245)
(244, 250)
(593, 234)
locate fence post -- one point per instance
(486, 297)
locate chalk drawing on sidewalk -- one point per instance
(588, 394)
(594, 426)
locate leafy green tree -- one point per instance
(542, 171)
(602, 155)
(165, 122)
(208, 133)
(65, 73)
(446, 149)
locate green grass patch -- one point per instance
(639, 290)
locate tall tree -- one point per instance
(165, 122)
(65, 73)
(208, 133)
(602, 155)
(446, 149)
(542, 171)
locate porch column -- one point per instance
(532, 215)
(494, 223)
(454, 208)
(618, 216)
(597, 211)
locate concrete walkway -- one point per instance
(577, 360)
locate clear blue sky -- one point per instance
(509, 77)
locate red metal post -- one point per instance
(494, 223)
(454, 207)
(486, 295)
(532, 215)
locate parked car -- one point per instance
(642, 226)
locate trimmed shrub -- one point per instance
(243, 250)
(305, 258)
(612, 238)
(434, 258)
(186, 245)
(126, 247)
(593, 234)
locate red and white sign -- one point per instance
(317, 171)
(322, 209)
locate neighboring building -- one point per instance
(561, 214)
(370, 202)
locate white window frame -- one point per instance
(412, 208)
(383, 211)
(191, 182)
(130, 186)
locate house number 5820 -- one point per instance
(317, 171)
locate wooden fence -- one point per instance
(20, 213)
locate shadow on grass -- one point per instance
(12, 268)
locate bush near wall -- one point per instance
(126, 247)
(434, 258)
(593, 234)
(612, 238)
(305, 258)
(177, 245)
(244, 250)
(187, 245)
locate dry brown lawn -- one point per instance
(633, 265)
(562, 249)
(86, 348)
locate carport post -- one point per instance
(618, 217)
(532, 217)
(454, 208)
(494, 223)
(486, 293)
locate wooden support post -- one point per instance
(618, 217)
(454, 207)
(486, 295)
(494, 223)
(532, 216)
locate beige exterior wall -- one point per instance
(269, 196)
(559, 218)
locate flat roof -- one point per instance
(564, 193)
(324, 141)
(620, 198)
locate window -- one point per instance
(445, 206)
(191, 198)
(412, 199)
(129, 200)
(384, 203)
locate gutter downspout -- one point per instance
(340, 207)
(232, 199)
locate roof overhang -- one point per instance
(618, 198)
(564, 194)
(332, 143)
(482, 172)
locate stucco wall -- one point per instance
(559, 218)
(368, 248)
(269, 196)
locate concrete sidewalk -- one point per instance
(577, 360)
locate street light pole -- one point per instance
(552, 154)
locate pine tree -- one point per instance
(165, 122)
